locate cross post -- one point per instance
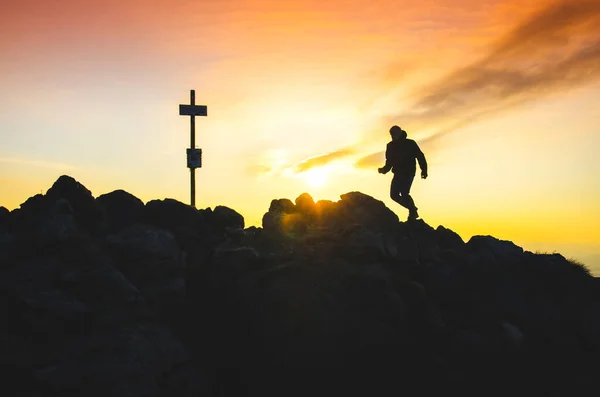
(194, 155)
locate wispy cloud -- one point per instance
(323, 159)
(371, 161)
(556, 49)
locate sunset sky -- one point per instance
(503, 96)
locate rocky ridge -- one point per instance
(111, 296)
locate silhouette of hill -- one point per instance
(109, 296)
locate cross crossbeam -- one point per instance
(192, 110)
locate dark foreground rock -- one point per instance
(111, 296)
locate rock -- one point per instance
(42, 223)
(422, 235)
(287, 218)
(272, 222)
(58, 226)
(590, 326)
(224, 217)
(364, 210)
(354, 208)
(282, 205)
(151, 259)
(88, 214)
(495, 250)
(513, 333)
(134, 357)
(446, 238)
(4, 218)
(305, 204)
(7, 244)
(325, 212)
(359, 244)
(172, 215)
(27, 216)
(280, 222)
(193, 231)
(499, 248)
(236, 261)
(122, 209)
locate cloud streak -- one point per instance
(323, 159)
(371, 161)
(556, 49)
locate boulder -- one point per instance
(42, 223)
(132, 359)
(59, 225)
(498, 248)
(325, 212)
(448, 239)
(364, 210)
(305, 204)
(88, 214)
(359, 244)
(282, 205)
(122, 209)
(27, 216)
(172, 215)
(421, 234)
(494, 251)
(151, 259)
(235, 262)
(192, 228)
(279, 222)
(227, 218)
(4, 218)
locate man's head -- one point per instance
(397, 133)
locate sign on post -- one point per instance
(194, 158)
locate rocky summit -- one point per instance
(108, 296)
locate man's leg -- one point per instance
(406, 198)
(395, 191)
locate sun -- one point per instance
(315, 177)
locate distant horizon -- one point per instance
(502, 96)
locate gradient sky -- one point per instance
(503, 96)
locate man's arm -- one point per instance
(422, 162)
(388, 166)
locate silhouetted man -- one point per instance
(400, 156)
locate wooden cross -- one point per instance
(194, 156)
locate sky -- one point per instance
(502, 96)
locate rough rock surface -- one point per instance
(122, 209)
(111, 296)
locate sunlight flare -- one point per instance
(316, 177)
